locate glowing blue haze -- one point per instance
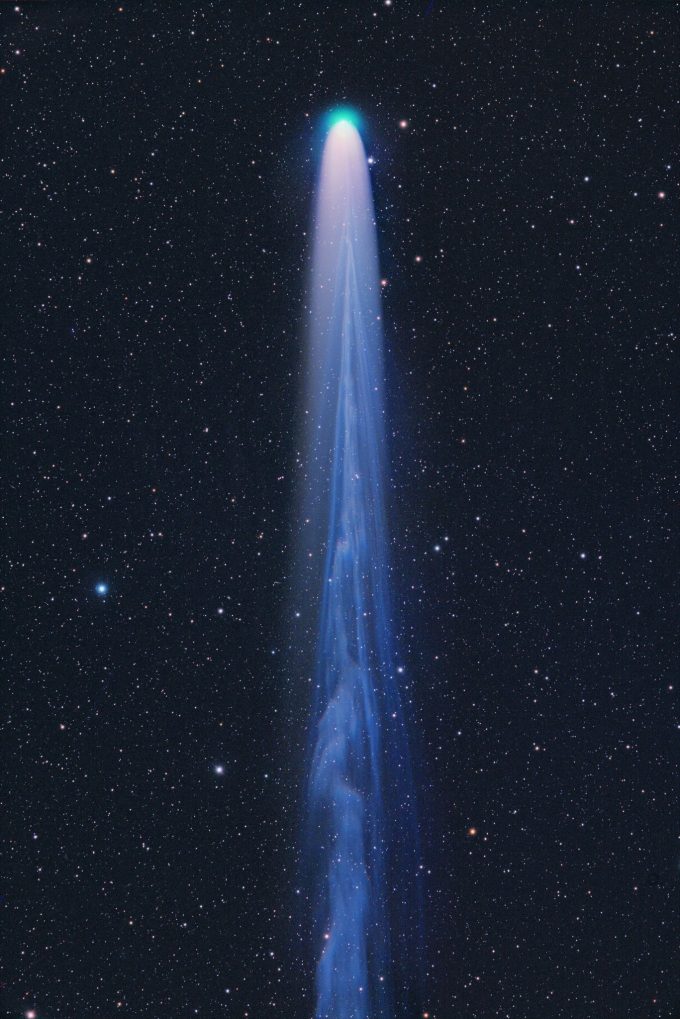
(361, 813)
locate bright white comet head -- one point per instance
(343, 171)
(345, 252)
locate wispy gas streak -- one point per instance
(361, 830)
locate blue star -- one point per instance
(102, 589)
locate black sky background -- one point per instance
(158, 172)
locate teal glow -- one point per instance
(344, 115)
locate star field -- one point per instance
(157, 178)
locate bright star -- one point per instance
(219, 769)
(102, 589)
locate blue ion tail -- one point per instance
(361, 833)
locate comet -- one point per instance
(361, 833)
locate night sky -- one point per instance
(158, 177)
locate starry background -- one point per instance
(157, 180)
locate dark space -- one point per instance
(157, 179)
